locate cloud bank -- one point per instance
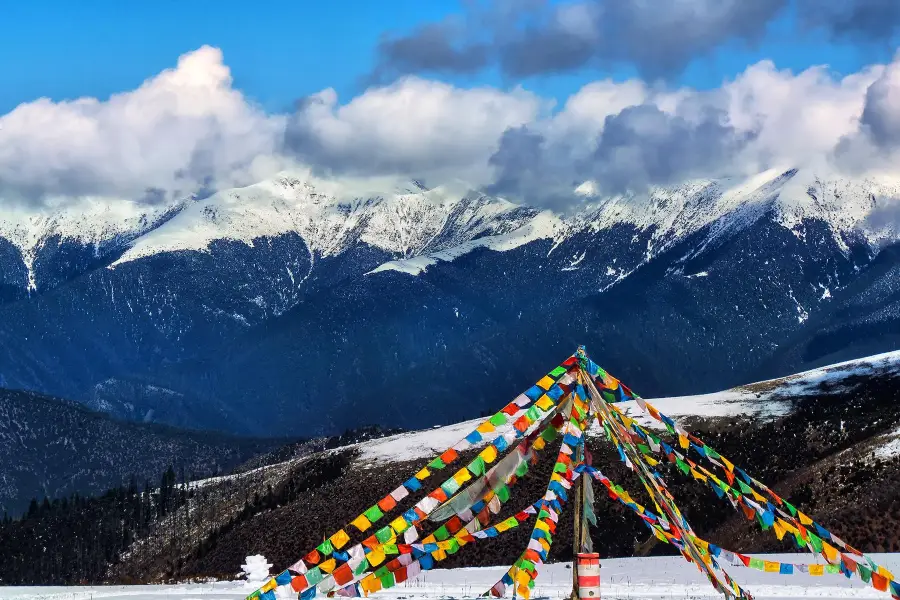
(187, 130)
(659, 38)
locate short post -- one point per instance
(588, 576)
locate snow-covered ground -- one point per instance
(632, 578)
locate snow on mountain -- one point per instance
(88, 221)
(421, 226)
(402, 218)
(545, 225)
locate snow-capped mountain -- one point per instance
(302, 304)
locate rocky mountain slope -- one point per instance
(301, 305)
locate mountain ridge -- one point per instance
(314, 302)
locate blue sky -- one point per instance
(279, 51)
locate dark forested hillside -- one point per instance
(51, 447)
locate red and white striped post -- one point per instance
(588, 576)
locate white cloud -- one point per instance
(188, 128)
(178, 131)
(415, 126)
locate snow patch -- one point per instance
(542, 226)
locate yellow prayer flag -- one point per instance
(399, 525)
(779, 530)
(830, 552)
(771, 567)
(545, 402)
(544, 544)
(430, 539)
(423, 474)
(489, 454)
(329, 565)
(788, 527)
(728, 464)
(542, 526)
(523, 577)
(439, 554)
(651, 461)
(683, 442)
(501, 526)
(462, 476)
(697, 475)
(485, 427)
(817, 570)
(756, 496)
(376, 556)
(269, 585)
(524, 592)
(361, 522)
(367, 584)
(804, 520)
(539, 444)
(546, 382)
(339, 539)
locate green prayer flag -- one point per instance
(644, 449)
(683, 466)
(450, 487)
(712, 453)
(527, 565)
(512, 522)
(549, 434)
(381, 571)
(522, 469)
(557, 372)
(744, 487)
(373, 513)
(543, 515)
(314, 576)
(387, 581)
(815, 540)
(384, 534)
(325, 547)
(791, 508)
(477, 466)
(865, 573)
(437, 463)
(503, 494)
(832, 569)
(498, 419)
(442, 533)
(391, 549)
(453, 546)
(533, 413)
(559, 468)
(362, 567)
(758, 564)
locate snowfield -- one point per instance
(633, 578)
